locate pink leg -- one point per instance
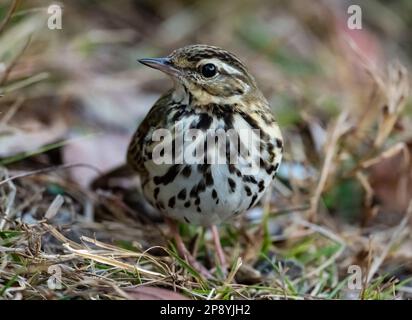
(218, 246)
(183, 252)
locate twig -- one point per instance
(14, 250)
(10, 200)
(13, 62)
(396, 93)
(6, 20)
(11, 112)
(386, 154)
(338, 131)
(49, 169)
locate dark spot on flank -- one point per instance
(172, 202)
(225, 113)
(187, 204)
(248, 191)
(182, 194)
(271, 157)
(187, 171)
(248, 178)
(261, 185)
(193, 192)
(156, 192)
(252, 202)
(169, 176)
(228, 152)
(262, 163)
(198, 209)
(202, 167)
(186, 219)
(271, 169)
(197, 201)
(204, 121)
(214, 194)
(232, 184)
(209, 178)
(201, 186)
(279, 143)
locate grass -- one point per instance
(105, 270)
(340, 200)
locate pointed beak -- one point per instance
(162, 64)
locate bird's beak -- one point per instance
(162, 64)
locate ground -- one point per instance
(336, 224)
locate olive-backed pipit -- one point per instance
(213, 92)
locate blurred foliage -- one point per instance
(76, 95)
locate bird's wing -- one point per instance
(155, 119)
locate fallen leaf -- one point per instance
(103, 151)
(153, 293)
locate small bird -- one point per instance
(213, 92)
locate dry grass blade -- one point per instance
(386, 154)
(53, 231)
(121, 252)
(340, 128)
(11, 112)
(110, 247)
(112, 262)
(9, 14)
(10, 67)
(54, 207)
(9, 202)
(396, 94)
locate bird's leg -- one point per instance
(218, 247)
(184, 252)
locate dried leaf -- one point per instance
(153, 293)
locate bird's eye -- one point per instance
(209, 70)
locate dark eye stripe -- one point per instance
(239, 76)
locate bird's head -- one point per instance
(209, 74)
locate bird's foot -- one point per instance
(184, 252)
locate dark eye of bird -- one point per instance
(209, 70)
